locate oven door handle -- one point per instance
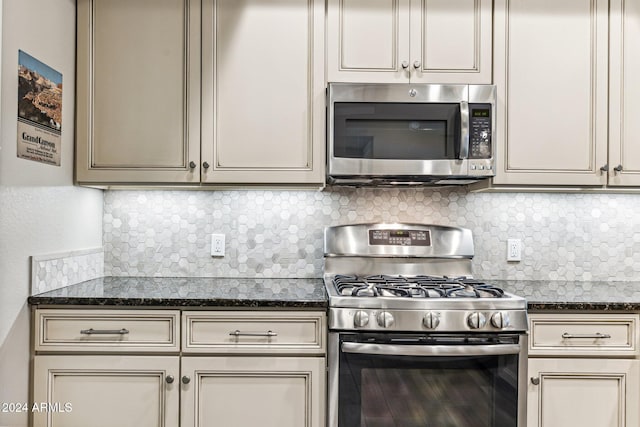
(430, 350)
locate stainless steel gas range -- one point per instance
(414, 340)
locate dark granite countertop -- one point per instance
(310, 293)
(190, 292)
(575, 295)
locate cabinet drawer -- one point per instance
(254, 332)
(106, 330)
(585, 335)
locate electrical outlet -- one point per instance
(514, 250)
(217, 245)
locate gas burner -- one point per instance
(414, 287)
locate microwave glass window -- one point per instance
(397, 131)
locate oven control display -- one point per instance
(400, 237)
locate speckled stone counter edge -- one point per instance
(189, 292)
(540, 295)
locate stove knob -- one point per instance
(431, 320)
(476, 320)
(360, 319)
(500, 320)
(385, 319)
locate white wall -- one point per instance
(41, 212)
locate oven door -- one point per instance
(407, 380)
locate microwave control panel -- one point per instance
(480, 131)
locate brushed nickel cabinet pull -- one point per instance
(92, 331)
(238, 333)
(535, 380)
(595, 336)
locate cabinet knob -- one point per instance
(186, 380)
(192, 165)
(417, 64)
(604, 168)
(618, 168)
(205, 165)
(535, 380)
(169, 379)
(405, 64)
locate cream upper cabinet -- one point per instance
(624, 95)
(192, 91)
(430, 41)
(138, 91)
(550, 66)
(263, 91)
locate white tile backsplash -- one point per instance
(280, 233)
(55, 271)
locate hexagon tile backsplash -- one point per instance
(280, 233)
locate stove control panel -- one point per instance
(429, 320)
(400, 237)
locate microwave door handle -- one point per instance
(430, 350)
(464, 130)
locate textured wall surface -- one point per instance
(280, 233)
(40, 210)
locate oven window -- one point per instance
(426, 391)
(401, 131)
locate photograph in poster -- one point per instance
(39, 111)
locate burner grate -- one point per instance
(414, 287)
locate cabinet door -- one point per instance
(367, 41)
(551, 60)
(624, 137)
(138, 91)
(105, 391)
(263, 91)
(451, 41)
(253, 391)
(583, 392)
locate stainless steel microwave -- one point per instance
(403, 134)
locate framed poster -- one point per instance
(39, 111)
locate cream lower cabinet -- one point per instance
(583, 370)
(139, 368)
(422, 41)
(105, 368)
(106, 391)
(253, 368)
(583, 392)
(262, 391)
